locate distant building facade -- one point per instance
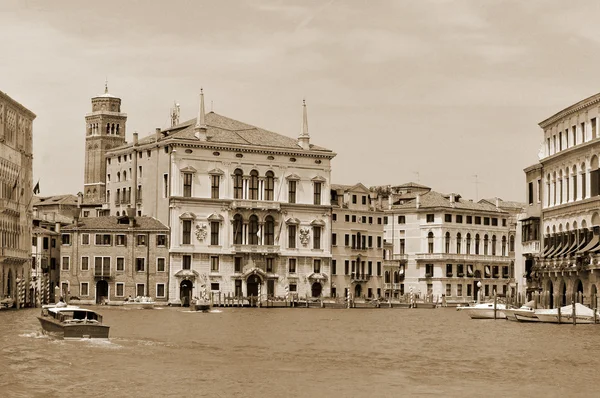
(112, 258)
(448, 246)
(248, 209)
(357, 243)
(16, 191)
(45, 257)
(569, 192)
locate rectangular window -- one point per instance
(317, 195)
(346, 240)
(317, 266)
(53, 243)
(378, 268)
(347, 217)
(346, 267)
(430, 218)
(66, 239)
(160, 264)
(402, 246)
(214, 264)
(354, 199)
(385, 220)
(334, 217)
(448, 290)
(119, 289)
(459, 288)
(141, 240)
(333, 267)
(85, 263)
(401, 219)
(140, 264)
(214, 233)
(370, 268)
(161, 240)
(379, 242)
(428, 270)
(530, 192)
(121, 240)
(160, 290)
(364, 219)
(85, 289)
(447, 217)
(293, 288)
(269, 264)
(103, 239)
(469, 219)
(316, 237)
(379, 220)
(187, 261)
(214, 286)
(214, 186)
(370, 241)
(187, 232)
(120, 264)
(165, 185)
(486, 221)
(292, 265)
(85, 239)
(494, 222)
(583, 132)
(237, 263)
(364, 200)
(478, 220)
(65, 264)
(291, 236)
(504, 222)
(459, 219)
(370, 220)
(448, 270)
(140, 289)
(187, 185)
(353, 218)
(292, 191)
(334, 239)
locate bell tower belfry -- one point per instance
(105, 129)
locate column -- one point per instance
(588, 182)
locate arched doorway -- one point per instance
(563, 298)
(550, 294)
(252, 284)
(316, 289)
(579, 292)
(357, 291)
(185, 293)
(101, 291)
(594, 297)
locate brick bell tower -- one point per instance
(105, 129)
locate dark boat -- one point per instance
(201, 305)
(72, 322)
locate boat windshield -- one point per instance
(79, 315)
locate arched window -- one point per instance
(485, 244)
(493, 245)
(269, 231)
(107, 128)
(574, 182)
(124, 176)
(238, 228)
(458, 242)
(269, 185)
(118, 176)
(430, 242)
(358, 235)
(253, 230)
(477, 244)
(253, 189)
(512, 243)
(238, 184)
(118, 130)
(468, 243)
(447, 243)
(504, 245)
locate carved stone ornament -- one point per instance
(201, 232)
(304, 236)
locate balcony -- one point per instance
(255, 204)
(461, 258)
(15, 253)
(354, 277)
(531, 247)
(387, 286)
(255, 249)
(401, 257)
(9, 206)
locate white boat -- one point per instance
(144, 303)
(525, 313)
(583, 314)
(71, 322)
(484, 310)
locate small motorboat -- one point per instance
(201, 304)
(7, 302)
(484, 310)
(144, 303)
(583, 314)
(72, 322)
(525, 313)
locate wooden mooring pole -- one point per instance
(495, 304)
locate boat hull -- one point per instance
(83, 330)
(142, 306)
(202, 307)
(483, 313)
(526, 316)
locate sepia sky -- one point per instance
(429, 91)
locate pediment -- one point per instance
(216, 172)
(187, 274)
(216, 217)
(318, 178)
(293, 177)
(254, 271)
(188, 169)
(319, 223)
(292, 221)
(187, 216)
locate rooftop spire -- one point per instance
(106, 86)
(304, 139)
(200, 127)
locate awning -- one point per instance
(553, 252)
(547, 250)
(592, 245)
(576, 248)
(567, 249)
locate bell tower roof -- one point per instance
(106, 93)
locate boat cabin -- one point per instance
(72, 315)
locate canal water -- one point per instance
(253, 352)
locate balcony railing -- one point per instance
(387, 286)
(397, 286)
(402, 257)
(461, 257)
(255, 249)
(532, 247)
(255, 204)
(15, 253)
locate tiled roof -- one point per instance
(434, 199)
(54, 200)
(42, 231)
(111, 223)
(411, 185)
(337, 187)
(505, 203)
(223, 130)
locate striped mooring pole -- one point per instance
(259, 294)
(287, 293)
(47, 289)
(21, 293)
(348, 297)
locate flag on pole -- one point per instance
(36, 189)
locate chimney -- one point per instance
(76, 214)
(131, 216)
(304, 138)
(200, 127)
(57, 227)
(135, 139)
(497, 203)
(390, 201)
(452, 199)
(418, 204)
(79, 199)
(157, 130)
